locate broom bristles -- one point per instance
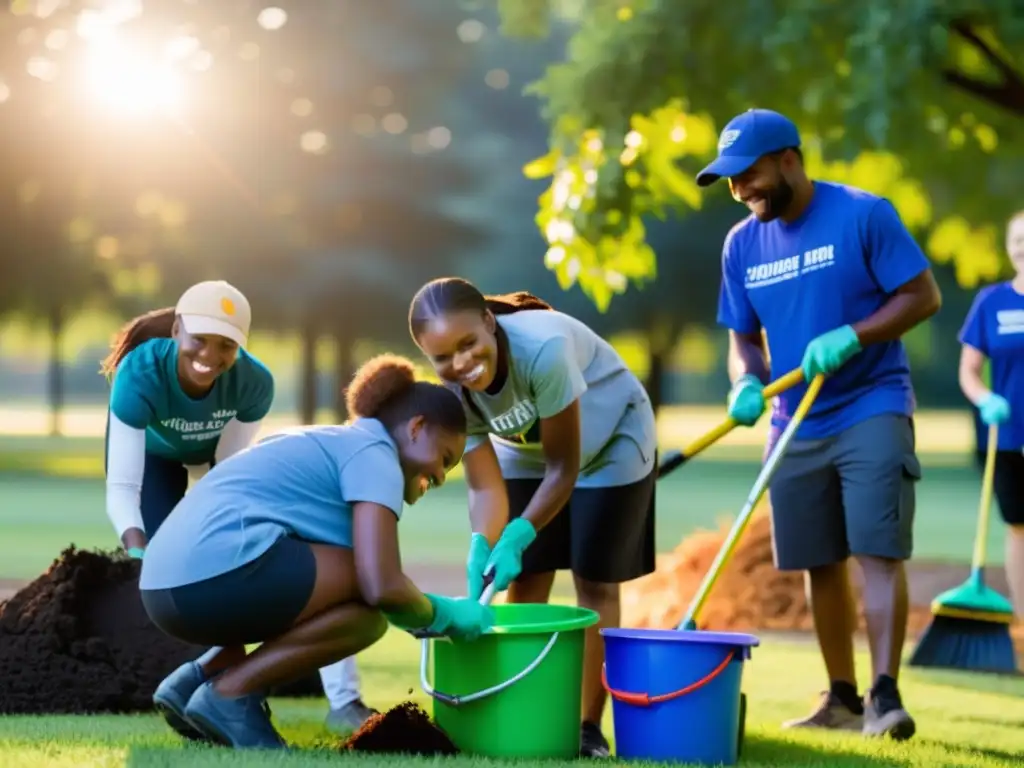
(967, 644)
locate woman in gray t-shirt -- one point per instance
(560, 455)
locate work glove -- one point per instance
(994, 409)
(746, 400)
(506, 560)
(479, 551)
(136, 552)
(828, 352)
(462, 618)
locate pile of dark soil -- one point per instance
(77, 640)
(406, 728)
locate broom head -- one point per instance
(970, 631)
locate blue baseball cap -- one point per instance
(747, 137)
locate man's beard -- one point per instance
(777, 201)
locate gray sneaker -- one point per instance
(831, 714)
(172, 695)
(242, 722)
(348, 718)
(885, 716)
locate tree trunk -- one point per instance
(308, 393)
(55, 383)
(344, 369)
(655, 384)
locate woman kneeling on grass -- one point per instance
(294, 544)
(570, 456)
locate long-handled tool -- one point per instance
(689, 621)
(970, 628)
(675, 459)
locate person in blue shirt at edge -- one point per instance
(993, 332)
(186, 395)
(833, 279)
(562, 440)
(293, 545)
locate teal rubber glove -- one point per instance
(506, 560)
(136, 552)
(994, 409)
(828, 352)
(746, 400)
(460, 618)
(479, 552)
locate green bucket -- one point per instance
(514, 692)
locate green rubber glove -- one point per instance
(461, 617)
(479, 551)
(746, 400)
(136, 552)
(506, 560)
(993, 409)
(828, 352)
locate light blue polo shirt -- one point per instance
(302, 482)
(146, 394)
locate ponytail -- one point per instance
(509, 303)
(152, 325)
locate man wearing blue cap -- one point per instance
(832, 277)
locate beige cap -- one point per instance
(215, 307)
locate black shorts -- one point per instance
(251, 604)
(1008, 484)
(604, 535)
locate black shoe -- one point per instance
(592, 741)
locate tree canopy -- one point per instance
(919, 101)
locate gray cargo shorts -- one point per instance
(849, 494)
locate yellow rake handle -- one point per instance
(777, 387)
(985, 504)
(760, 486)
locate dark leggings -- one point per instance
(251, 604)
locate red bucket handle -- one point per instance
(645, 700)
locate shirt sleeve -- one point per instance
(126, 463)
(236, 436)
(555, 377)
(734, 308)
(129, 395)
(260, 396)
(893, 255)
(373, 474)
(973, 330)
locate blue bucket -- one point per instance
(676, 694)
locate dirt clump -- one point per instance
(77, 640)
(405, 728)
(750, 593)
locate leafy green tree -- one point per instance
(919, 101)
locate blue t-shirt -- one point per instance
(146, 394)
(302, 482)
(835, 265)
(995, 327)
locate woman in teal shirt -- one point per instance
(185, 395)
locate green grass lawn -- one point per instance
(963, 720)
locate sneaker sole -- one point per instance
(177, 721)
(208, 729)
(900, 731)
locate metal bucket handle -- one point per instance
(456, 700)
